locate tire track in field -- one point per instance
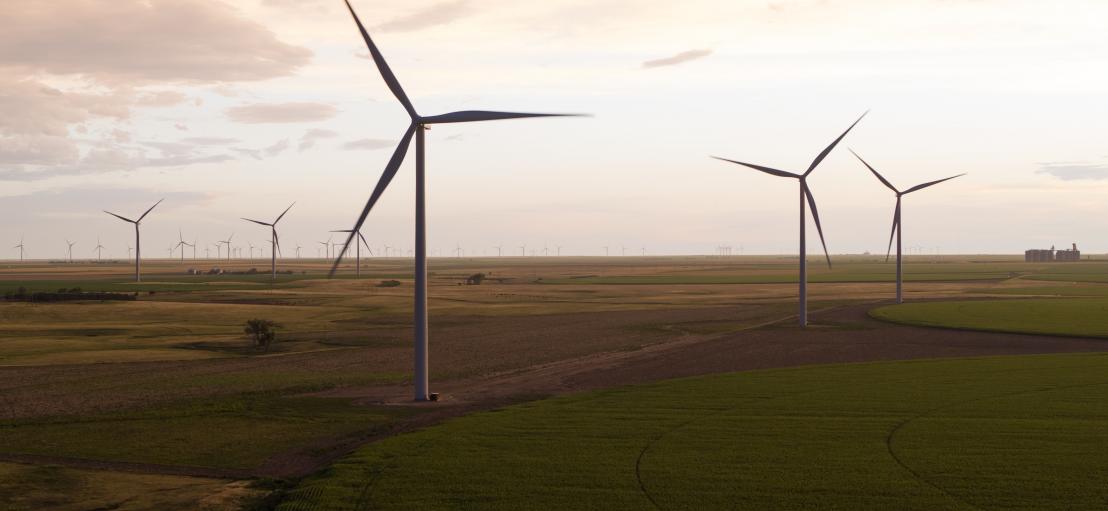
(889, 438)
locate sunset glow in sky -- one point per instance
(237, 108)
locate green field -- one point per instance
(1054, 316)
(995, 433)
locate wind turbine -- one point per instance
(298, 251)
(498, 247)
(897, 227)
(225, 242)
(70, 249)
(180, 244)
(358, 251)
(275, 241)
(98, 248)
(805, 197)
(138, 246)
(20, 247)
(326, 247)
(417, 128)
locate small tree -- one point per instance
(263, 331)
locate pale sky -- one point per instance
(233, 109)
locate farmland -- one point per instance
(205, 412)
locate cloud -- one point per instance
(209, 140)
(311, 136)
(367, 144)
(253, 153)
(277, 148)
(139, 40)
(434, 15)
(1075, 171)
(272, 113)
(680, 58)
(34, 129)
(160, 98)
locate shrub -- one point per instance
(262, 332)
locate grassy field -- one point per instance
(33, 488)
(1056, 316)
(1001, 433)
(167, 370)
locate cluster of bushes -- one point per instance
(62, 295)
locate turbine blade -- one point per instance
(364, 242)
(827, 151)
(383, 67)
(341, 230)
(896, 225)
(386, 178)
(125, 219)
(871, 169)
(149, 210)
(815, 216)
(257, 222)
(283, 213)
(485, 115)
(932, 183)
(767, 170)
(277, 241)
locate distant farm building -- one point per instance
(1052, 255)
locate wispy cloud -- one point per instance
(1074, 171)
(367, 144)
(680, 58)
(438, 14)
(310, 137)
(276, 113)
(277, 148)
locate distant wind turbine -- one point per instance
(20, 247)
(298, 251)
(358, 251)
(897, 226)
(98, 248)
(498, 247)
(275, 241)
(225, 242)
(138, 244)
(417, 128)
(180, 244)
(805, 197)
(70, 249)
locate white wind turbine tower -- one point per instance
(275, 241)
(498, 247)
(70, 249)
(327, 247)
(20, 247)
(180, 244)
(897, 227)
(418, 126)
(98, 248)
(805, 197)
(298, 251)
(226, 242)
(138, 245)
(358, 251)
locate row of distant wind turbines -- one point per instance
(419, 124)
